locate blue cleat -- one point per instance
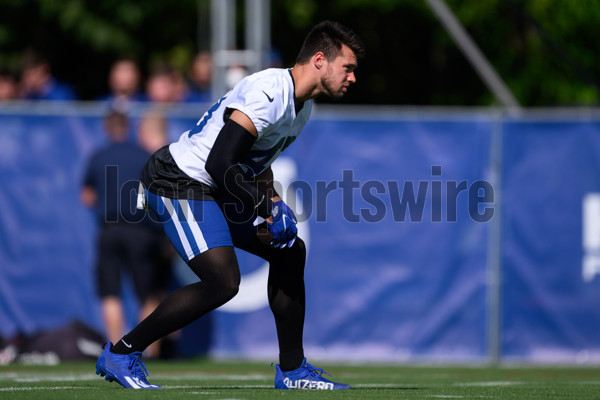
(305, 377)
(127, 370)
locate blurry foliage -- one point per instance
(81, 38)
(545, 50)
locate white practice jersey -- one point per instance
(267, 98)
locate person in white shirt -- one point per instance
(213, 190)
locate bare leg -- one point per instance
(112, 315)
(150, 305)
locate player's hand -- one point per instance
(283, 225)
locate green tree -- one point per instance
(544, 49)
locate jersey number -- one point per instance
(198, 128)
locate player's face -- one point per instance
(339, 73)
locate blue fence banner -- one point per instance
(403, 215)
(551, 303)
(379, 285)
(45, 233)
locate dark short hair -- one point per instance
(328, 38)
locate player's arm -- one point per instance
(265, 181)
(233, 142)
(282, 222)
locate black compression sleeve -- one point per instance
(233, 142)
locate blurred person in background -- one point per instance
(152, 132)
(37, 81)
(124, 81)
(165, 85)
(213, 190)
(200, 78)
(8, 85)
(128, 242)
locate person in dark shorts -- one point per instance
(128, 241)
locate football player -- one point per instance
(213, 190)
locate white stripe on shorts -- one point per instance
(193, 224)
(180, 232)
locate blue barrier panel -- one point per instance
(551, 306)
(47, 237)
(45, 233)
(394, 214)
(382, 283)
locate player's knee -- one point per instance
(230, 291)
(230, 287)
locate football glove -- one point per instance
(283, 228)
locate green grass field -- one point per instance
(203, 379)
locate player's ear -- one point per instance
(319, 60)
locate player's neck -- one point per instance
(305, 87)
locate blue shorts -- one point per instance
(194, 226)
